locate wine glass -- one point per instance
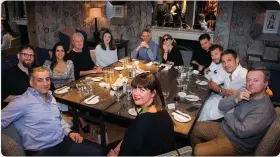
(79, 86)
(165, 94)
(128, 91)
(179, 80)
(118, 92)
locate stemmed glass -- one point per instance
(165, 95)
(119, 92)
(128, 91)
(179, 80)
(79, 86)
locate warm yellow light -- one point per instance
(95, 12)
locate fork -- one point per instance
(122, 107)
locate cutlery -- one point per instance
(122, 107)
(181, 114)
(83, 99)
(92, 97)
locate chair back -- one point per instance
(93, 56)
(15, 42)
(187, 54)
(270, 144)
(11, 144)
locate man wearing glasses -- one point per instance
(15, 80)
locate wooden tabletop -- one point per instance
(109, 105)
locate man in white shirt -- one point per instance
(223, 85)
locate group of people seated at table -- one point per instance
(232, 122)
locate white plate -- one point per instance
(96, 79)
(62, 91)
(149, 64)
(182, 94)
(181, 118)
(93, 101)
(121, 61)
(192, 98)
(203, 83)
(99, 78)
(118, 68)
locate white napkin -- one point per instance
(104, 85)
(62, 90)
(119, 82)
(171, 106)
(195, 71)
(140, 71)
(149, 64)
(166, 66)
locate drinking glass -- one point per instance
(89, 84)
(165, 94)
(111, 72)
(185, 87)
(128, 91)
(119, 92)
(179, 80)
(79, 86)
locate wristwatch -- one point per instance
(221, 90)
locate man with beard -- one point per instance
(15, 80)
(225, 84)
(241, 131)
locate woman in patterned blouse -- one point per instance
(61, 71)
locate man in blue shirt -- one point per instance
(38, 121)
(146, 49)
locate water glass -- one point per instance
(89, 84)
(79, 86)
(185, 87)
(165, 94)
(111, 72)
(119, 92)
(179, 80)
(128, 92)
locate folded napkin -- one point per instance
(171, 106)
(149, 64)
(195, 71)
(104, 85)
(166, 66)
(61, 90)
(119, 82)
(140, 71)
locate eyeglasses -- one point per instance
(165, 39)
(27, 55)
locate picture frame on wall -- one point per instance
(271, 21)
(118, 11)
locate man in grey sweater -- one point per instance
(240, 131)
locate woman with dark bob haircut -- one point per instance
(169, 51)
(151, 133)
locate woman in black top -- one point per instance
(152, 131)
(169, 52)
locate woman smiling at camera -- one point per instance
(106, 51)
(151, 133)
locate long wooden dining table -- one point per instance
(109, 106)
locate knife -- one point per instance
(181, 114)
(92, 97)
